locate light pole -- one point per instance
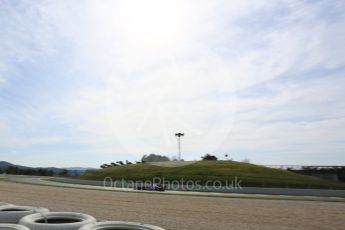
(179, 135)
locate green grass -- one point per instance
(202, 171)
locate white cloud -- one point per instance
(150, 95)
(147, 70)
(24, 36)
(306, 118)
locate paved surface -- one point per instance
(73, 183)
(243, 190)
(181, 212)
(49, 182)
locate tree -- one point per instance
(209, 157)
(12, 170)
(246, 160)
(49, 173)
(154, 158)
(64, 172)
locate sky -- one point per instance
(84, 83)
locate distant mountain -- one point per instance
(83, 169)
(5, 164)
(71, 170)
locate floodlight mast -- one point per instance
(179, 135)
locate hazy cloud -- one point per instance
(253, 79)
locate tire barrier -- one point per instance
(11, 214)
(56, 221)
(35, 218)
(13, 227)
(124, 225)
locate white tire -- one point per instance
(124, 225)
(11, 214)
(13, 227)
(57, 221)
(3, 203)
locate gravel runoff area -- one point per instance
(181, 212)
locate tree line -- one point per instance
(15, 170)
(152, 158)
(27, 171)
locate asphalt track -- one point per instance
(253, 193)
(243, 190)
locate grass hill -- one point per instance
(250, 174)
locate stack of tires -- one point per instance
(14, 217)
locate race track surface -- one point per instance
(256, 193)
(180, 212)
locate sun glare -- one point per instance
(151, 23)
